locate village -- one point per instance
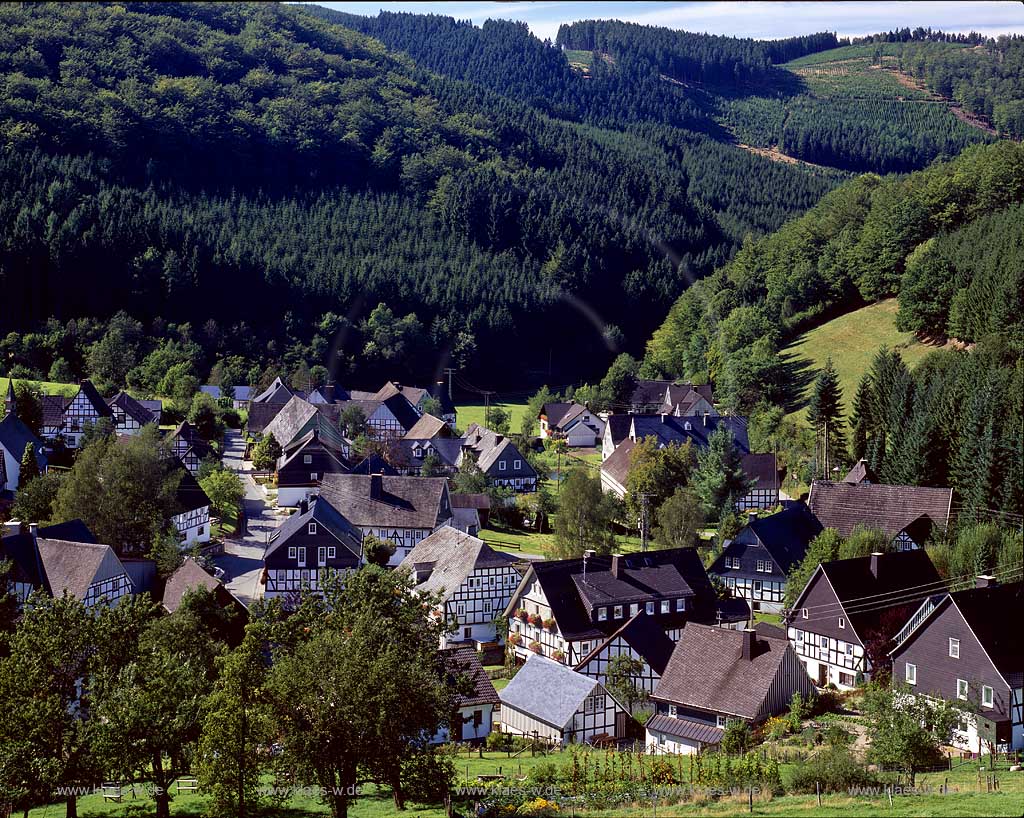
(780, 634)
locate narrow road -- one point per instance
(242, 559)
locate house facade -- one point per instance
(129, 415)
(69, 419)
(959, 647)
(839, 637)
(474, 581)
(90, 572)
(308, 545)
(473, 718)
(14, 437)
(572, 422)
(762, 469)
(716, 676)
(756, 564)
(186, 444)
(499, 459)
(640, 639)
(317, 449)
(192, 518)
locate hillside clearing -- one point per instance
(474, 413)
(852, 341)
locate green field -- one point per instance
(474, 413)
(47, 387)
(852, 341)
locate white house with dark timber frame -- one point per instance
(476, 582)
(844, 620)
(640, 639)
(14, 437)
(548, 701)
(192, 514)
(716, 676)
(129, 414)
(68, 419)
(473, 718)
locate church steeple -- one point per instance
(10, 403)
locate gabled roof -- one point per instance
(448, 557)
(891, 509)
(548, 691)
(21, 551)
(447, 450)
(689, 729)
(292, 417)
(860, 473)
(72, 531)
(786, 534)
(189, 576)
(260, 415)
(617, 464)
(132, 408)
(641, 633)
(73, 567)
(277, 392)
(428, 427)
(190, 494)
(186, 432)
(403, 502)
(762, 469)
(707, 671)
(403, 411)
(373, 464)
(53, 409)
(463, 660)
(670, 429)
(618, 427)
(15, 436)
(489, 446)
(323, 513)
(554, 412)
(98, 404)
(649, 391)
(902, 578)
(985, 611)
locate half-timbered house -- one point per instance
(755, 565)
(499, 459)
(318, 448)
(642, 640)
(404, 510)
(68, 419)
(564, 609)
(129, 415)
(316, 540)
(188, 446)
(549, 701)
(90, 572)
(960, 647)
(842, 624)
(907, 515)
(715, 676)
(192, 511)
(763, 471)
(475, 582)
(14, 437)
(473, 718)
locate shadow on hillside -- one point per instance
(795, 374)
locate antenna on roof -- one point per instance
(586, 555)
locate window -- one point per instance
(842, 624)
(846, 679)
(460, 609)
(760, 565)
(665, 606)
(332, 552)
(680, 604)
(799, 636)
(202, 528)
(307, 458)
(291, 552)
(313, 475)
(478, 718)
(302, 555)
(757, 586)
(720, 721)
(487, 606)
(911, 674)
(961, 688)
(617, 613)
(824, 641)
(849, 650)
(467, 633)
(321, 555)
(311, 528)
(650, 609)
(602, 614)
(518, 464)
(673, 711)
(987, 696)
(584, 648)
(501, 465)
(954, 648)
(634, 609)
(803, 613)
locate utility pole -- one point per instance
(487, 408)
(449, 371)
(644, 497)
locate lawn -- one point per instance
(474, 413)
(852, 341)
(47, 387)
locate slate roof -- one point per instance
(323, 513)
(670, 429)
(463, 660)
(785, 535)
(762, 469)
(449, 556)
(986, 610)
(667, 573)
(186, 432)
(190, 494)
(641, 633)
(405, 502)
(277, 392)
(295, 414)
(618, 427)
(154, 406)
(403, 411)
(890, 509)
(95, 398)
(548, 691)
(554, 412)
(428, 427)
(439, 391)
(616, 465)
(489, 446)
(899, 580)
(15, 435)
(708, 672)
(53, 409)
(649, 392)
(72, 566)
(132, 408)
(373, 464)
(72, 531)
(20, 550)
(260, 415)
(689, 729)
(189, 576)
(477, 501)
(447, 450)
(860, 473)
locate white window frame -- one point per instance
(680, 604)
(634, 608)
(307, 458)
(321, 555)
(963, 689)
(460, 609)
(332, 552)
(803, 613)
(311, 528)
(954, 648)
(302, 555)
(842, 624)
(313, 475)
(617, 612)
(666, 606)
(517, 464)
(602, 614)
(650, 608)
(292, 552)
(720, 721)
(910, 674)
(988, 696)
(673, 711)
(501, 465)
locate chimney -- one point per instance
(33, 529)
(751, 516)
(303, 506)
(747, 646)
(663, 416)
(617, 565)
(985, 581)
(376, 486)
(875, 556)
(705, 418)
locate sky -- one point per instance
(761, 20)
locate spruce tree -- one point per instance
(29, 465)
(861, 420)
(825, 413)
(719, 479)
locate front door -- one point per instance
(822, 674)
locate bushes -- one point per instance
(834, 769)
(736, 738)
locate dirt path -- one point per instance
(908, 81)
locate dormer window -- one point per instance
(650, 609)
(311, 528)
(617, 613)
(602, 614)
(680, 604)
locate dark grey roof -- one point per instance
(403, 411)
(72, 531)
(688, 729)
(489, 446)
(762, 469)
(374, 464)
(890, 509)
(286, 424)
(860, 473)
(785, 535)
(463, 660)
(554, 412)
(323, 513)
(132, 408)
(241, 393)
(477, 501)
(708, 672)
(643, 634)
(94, 397)
(277, 392)
(670, 429)
(618, 427)
(617, 464)
(189, 576)
(15, 435)
(548, 691)
(260, 415)
(452, 556)
(190, 495)
(53, 409)
(27, 566)
(648, 392)
(404, 502)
